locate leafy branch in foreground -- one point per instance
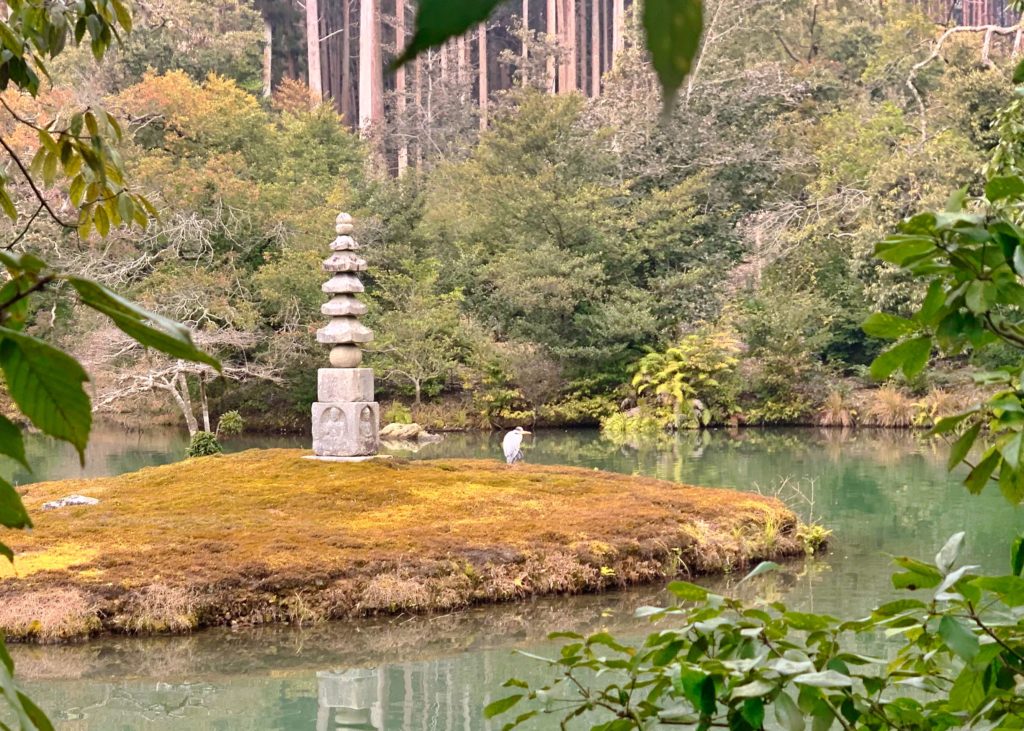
(725, 664)
(960, 658)
(45, 383)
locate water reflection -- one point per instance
(883, 493)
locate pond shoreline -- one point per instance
(264, 536)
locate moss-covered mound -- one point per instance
(268, 536)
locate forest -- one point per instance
(543, 246)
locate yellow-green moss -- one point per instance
(268, 536)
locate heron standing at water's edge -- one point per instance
(511, 445)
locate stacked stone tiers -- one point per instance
(345, 417)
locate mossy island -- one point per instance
(267, 536)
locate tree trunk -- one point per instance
(581, 43)
(346, 63)
(371, 71)
(595, 48)
(400, 90)
(313, 51)
(552, 31)
(572, 49)
(618, 28)
(462, 56)
(204, 404)
(606, 45)
(418, 146)
(526, 39)
(481, 35)
(179, 390)
(268, 58)
(419, 389)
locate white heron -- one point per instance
(512, 443)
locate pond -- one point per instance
(883, 493)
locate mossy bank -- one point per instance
(266, 536)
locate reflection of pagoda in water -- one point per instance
(414, 696)
(350, 699)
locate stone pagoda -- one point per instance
(345, 416)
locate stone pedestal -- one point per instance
(345, 428)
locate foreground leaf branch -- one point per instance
(45, 383)
(959, 661)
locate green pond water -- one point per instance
(883, 493)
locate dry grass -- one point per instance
(266, 536)
(891, 408)
(837, 411)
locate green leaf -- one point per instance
(12, 443)
(7, 553)
(787, 713)
(46, 384)
(753, 712)
(979, 476)
(962, 446)
(887, 327)
(958, 638)
(35, 713)
(1017, 555)
(949, 553)
(148, 328)
(688, 592)
(754, 689)
(673, 29)
(762, 568)
(501, 705)
(911, 356)
(12, 511)
(824, 679)
(1018, 72)
(439, 20)
(1004, 186)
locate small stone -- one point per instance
(344, 261)
(346, 356)
(69, 501)
(343, 305)
(343, 283)
(344, 243)
(343, 330)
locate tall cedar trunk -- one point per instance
(346, 63)
(567, 28)
(618, 28)
(595, 48)
(371, 70)
(313, 50)
(417, 146)
(526, 38)
(268, 58)
(552, 31)
(481, 35)
(332, 47)
(581, 42)
(606, 46)
(400, 90)
(462, 50)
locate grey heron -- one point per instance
(512, 443)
